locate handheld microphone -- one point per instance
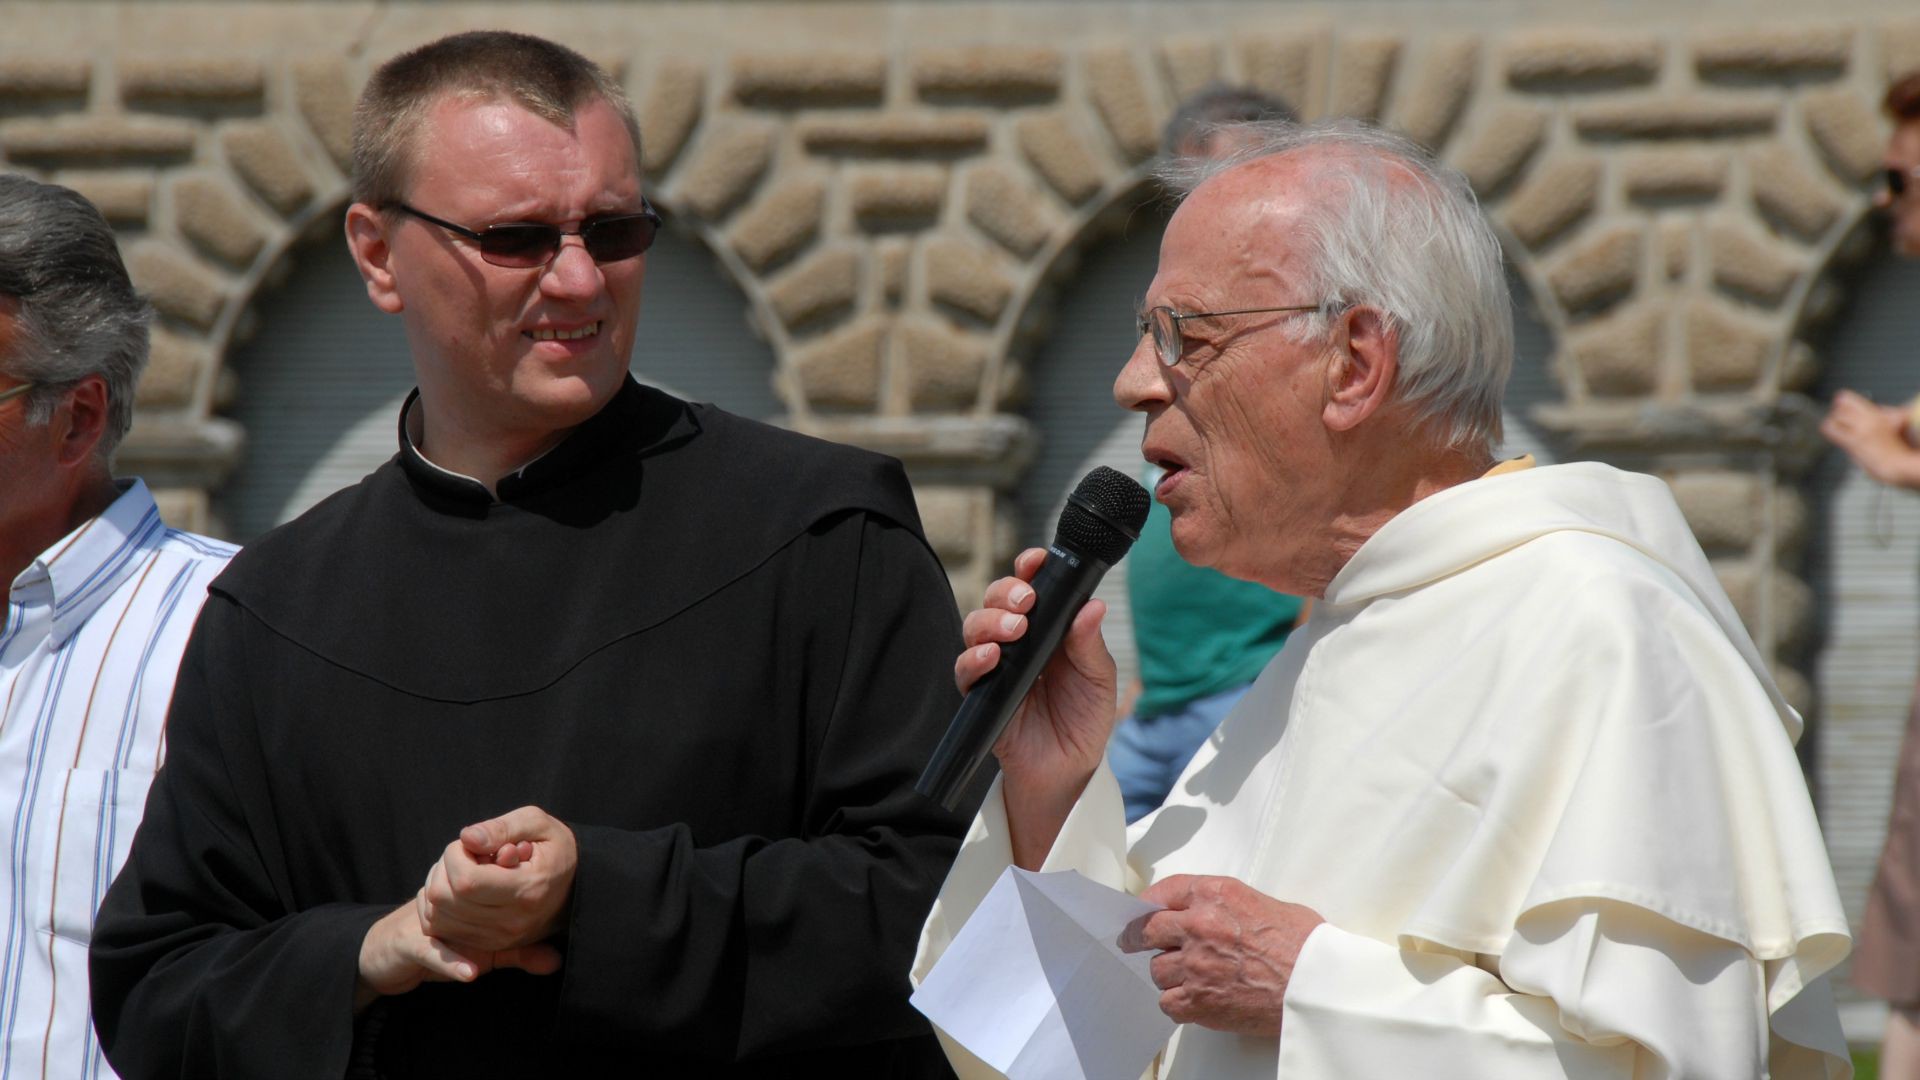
(1101, 521)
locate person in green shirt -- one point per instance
(1201, 636)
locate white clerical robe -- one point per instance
(1529, 766)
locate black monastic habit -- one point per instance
(719, 651)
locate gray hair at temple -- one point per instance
(1404, 234)
(79, 315)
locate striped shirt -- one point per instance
(93, 635)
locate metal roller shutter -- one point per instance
(1864, 564)
(1532, 382)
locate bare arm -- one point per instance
(1875, 437)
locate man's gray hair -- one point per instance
(1404, 234)
(79, 314)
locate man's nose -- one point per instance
(1142, 382)
(572, 274)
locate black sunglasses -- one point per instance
(522, 245)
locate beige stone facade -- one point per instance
(894, 187)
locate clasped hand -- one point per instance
(491, 901)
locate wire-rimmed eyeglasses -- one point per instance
(523, 245)
(1164, 324)
(16, 391)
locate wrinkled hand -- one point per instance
(1057, 737)
(1229, 951)
(397, 955)
(503, 885)
(1874, 436)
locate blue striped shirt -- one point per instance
(92, 639)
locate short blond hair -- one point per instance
(551, 81)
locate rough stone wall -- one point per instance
(894, 187)
(895, 206)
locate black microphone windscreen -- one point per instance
(1103, 516)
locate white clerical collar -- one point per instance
(414, 427)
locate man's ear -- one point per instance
(1362, 369)
(372, 252)
(81, 421)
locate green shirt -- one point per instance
(1197, 631)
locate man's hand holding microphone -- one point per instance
(1225, 950)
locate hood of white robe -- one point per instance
(1524, 689)
(1454, 529)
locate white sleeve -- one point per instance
(1586, 989)
(1092, 841)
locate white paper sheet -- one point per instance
(1036, 986)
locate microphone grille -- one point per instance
(1103, 516)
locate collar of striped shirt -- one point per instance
(89, 563)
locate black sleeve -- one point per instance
(200, 967)
(753, 946)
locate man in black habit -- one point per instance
(703, 658)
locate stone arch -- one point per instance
(1424, 87)
(314, 383)
(1125, 218)
(221, 219)
(884, 199)
(884, 245)
(891, 247)
(1305, 66)
(1069, 340)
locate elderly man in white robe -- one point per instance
(1520, 800)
